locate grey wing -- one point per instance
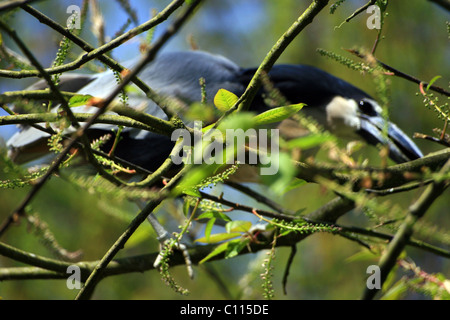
(174, 74)
(30, 143)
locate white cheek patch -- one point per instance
(342, 116)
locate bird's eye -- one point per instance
(367, 108)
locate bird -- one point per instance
(340, 107)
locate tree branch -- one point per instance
(114, 65)
(119, 120)
(403, 235)
(9, 5)
(97, 273)
(92, 53)
(381, 178)
(11, 96)
(81, 131)
(45, 268)
(401, 74)
(275, 52)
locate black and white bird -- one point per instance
(338, 106)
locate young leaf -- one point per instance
(189, 184)
(213, 215)
(237, 121)
(79, 100)
(217, 250)
(225, 100)
(433, 81)
(363, 255)
(208, 229)
(234, 247)
(186, 207)
(238, 226)
(396, 292)
(230, 248)
(278, 114)
(191, 192)
(309, 141)
(294, 184)
(218, 237)
(279, 181)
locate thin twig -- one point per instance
(54, 269)
(93, 53)
(288, 267)
(11, 96)
(33, 118)
(255, 195)
(9, 5)
(238, 206)
(411, 242)
(79, 134)
(382, 178)
(53, 88)
(400, 189)
(96, 275)
(360, 10)
(245, 100)
(431, 138)
(100, 52)
(64, 105)
(403, 235)
(33, 259)
(401, 74)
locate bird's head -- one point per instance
(362, 119)
(342, 108)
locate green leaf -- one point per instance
(189, 184)
(191, 192)
(132, 88)
(208, 229)
(278, 114)
(309, 141)
(294, 184)
(396, 292)
(186, 206)
(79, 100)
(283, 177)
(208, 127)
(224, 100)
(238, 226)
(213, 215)
(218, 237)
(200, 112)
(217, 250)
(230, 248)
(235, 121)
(433, 81)
(140, 235)
(363, 255)
(234, 247)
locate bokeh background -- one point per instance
(415, 41)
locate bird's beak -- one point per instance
(376, 130)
